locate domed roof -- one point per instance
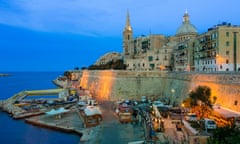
(186, 27)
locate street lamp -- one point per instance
(173, 91)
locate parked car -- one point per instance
(237, 122)
(158, 104)
(209, 124)
(191, 117)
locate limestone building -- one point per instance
(146, 52)
(183, 52)
(218, 49)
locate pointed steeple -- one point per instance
(128, 26)
(127, 37)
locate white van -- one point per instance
(209, 124)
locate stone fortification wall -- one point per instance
(115, 85)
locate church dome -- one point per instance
(186, 27)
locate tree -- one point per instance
(201, 93)
(225, 135)
(200, 99)
(214, 99)
(114, 64)
(76, 68)
(67, 74)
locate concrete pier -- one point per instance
(68, 122)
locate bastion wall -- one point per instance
(118, 85)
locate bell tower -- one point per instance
(127, 36)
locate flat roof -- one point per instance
(225, 112)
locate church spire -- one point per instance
(127, 37)
(128, 26)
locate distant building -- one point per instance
(218, 49)
(146, 52)
(183, 52)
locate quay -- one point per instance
(71, 121)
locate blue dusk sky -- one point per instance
(59, 35)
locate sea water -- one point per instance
(17, 131)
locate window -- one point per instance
(227, 61)
(235, 102)
(227, 52)
(165, 58)
(227, 43)
(214, 45)
(150, 58)
(152, 66)
(165, 51)
(227, 34)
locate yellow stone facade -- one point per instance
(218, 49)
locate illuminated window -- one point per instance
(227, 61)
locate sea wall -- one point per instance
(115, 85)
